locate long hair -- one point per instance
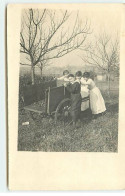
(65, 72)
(78, 74)
(71, 75)
(86, 75)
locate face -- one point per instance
(85, 78)
(66, 75)
(71, 79)
(78, 78)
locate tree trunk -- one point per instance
(108, 75)
(41, 73)
(33, 74)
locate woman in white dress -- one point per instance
(97, 103)
(84, 93)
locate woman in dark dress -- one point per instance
(74, 88)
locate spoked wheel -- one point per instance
(62, 112)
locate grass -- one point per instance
(100, 135)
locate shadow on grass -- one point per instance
(109, 108)
(113, 108)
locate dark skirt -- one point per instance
(75, 106)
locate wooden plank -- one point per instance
(28, 108)
(56, 95)
(34, 93)
(38, 107)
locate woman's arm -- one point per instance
(60, 78)
(84, 82)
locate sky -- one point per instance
(102, 18)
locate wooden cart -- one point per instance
(56, 100)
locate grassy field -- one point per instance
(100, 135)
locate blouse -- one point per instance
(89, 82)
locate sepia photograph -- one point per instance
(66, 98)
(69, 80)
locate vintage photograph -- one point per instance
(69, 80)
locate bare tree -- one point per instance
(104, 55)
(45, 35)
(42, 64)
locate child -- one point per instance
(74, 88)
(97, 103)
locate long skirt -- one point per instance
(75, 106)
(84, 93)
(97, 103)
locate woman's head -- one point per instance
(86, 75)
(78, 75)
(65, 72)
(71, 77)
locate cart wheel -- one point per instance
(63, 110)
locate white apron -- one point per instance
(97, 103)
(84, 93)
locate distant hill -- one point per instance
(56, 71)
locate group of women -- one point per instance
(80, 86)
